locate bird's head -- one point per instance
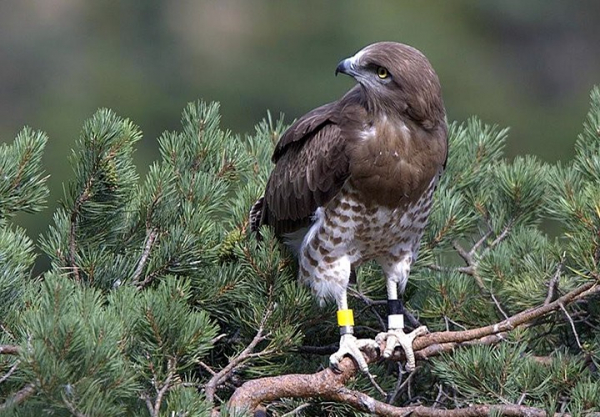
(397, 78)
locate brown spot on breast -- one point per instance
(324, 251)
(357, 208)
(345, 206)
(312, 261)
(343, 218)
(342, 229)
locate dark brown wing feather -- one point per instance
(311, 167)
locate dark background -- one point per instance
(527, 64)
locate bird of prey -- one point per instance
(353, 181)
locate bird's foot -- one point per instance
(350, 345)
(396, 337)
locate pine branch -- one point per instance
(330, 385)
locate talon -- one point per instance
(351, 346)
(396, 337)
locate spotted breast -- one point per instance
(350, 231)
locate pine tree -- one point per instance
(159, 301)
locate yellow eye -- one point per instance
(382, 73)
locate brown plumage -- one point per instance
(353, 179)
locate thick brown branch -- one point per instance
(329, 385)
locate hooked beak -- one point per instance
(346, 67)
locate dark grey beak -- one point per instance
(344, 67)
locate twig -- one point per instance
(441, 394)
(166, 386)
(501, 236)
(498, 306)
(150, 277)
(73, 409)
(211, 387)
(562, 307)
(150, 239)
(79, 202)
(467, 256)
(154, 409)
(471, 269)
(480, 242)
(553, 284)
(370, 304)
(449, 320)
(214, 340)
(399, 385)
(296, 410)
(18, 397)
(207, 368)
(376, 385)
(10, 371)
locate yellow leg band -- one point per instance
(345, 318)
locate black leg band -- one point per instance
(395, 307)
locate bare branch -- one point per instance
(152, 234)
(400, 385)
(9, 350)
(501, 236)
(246, 354)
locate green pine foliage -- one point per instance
(157, 287)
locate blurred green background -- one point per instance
(527, 64)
